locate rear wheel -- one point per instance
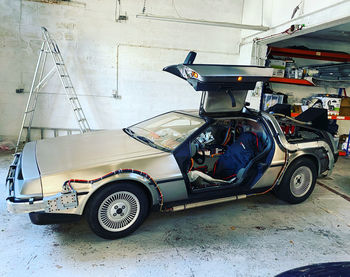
(117, 210)
(298, 182)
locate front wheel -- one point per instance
(117, 210)
(298, 182)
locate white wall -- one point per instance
(88, 36)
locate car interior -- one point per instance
(225, 152)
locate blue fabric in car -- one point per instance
(237, 155)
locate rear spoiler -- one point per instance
(215, 77)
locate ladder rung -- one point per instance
(50, 46)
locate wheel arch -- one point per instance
(145, 187)
(310, 156)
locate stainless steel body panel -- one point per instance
(268, 178)
(274, 169)
(88, 150)
(301, 149)
(174, 190)
(27, 175)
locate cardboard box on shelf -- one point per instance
(342, 139)
(345, 107)
(270, 100)
(278, 66)
(331, 103)
(297, 109)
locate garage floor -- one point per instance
(260, 236)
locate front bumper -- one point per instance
(53, 204)
(25, 207)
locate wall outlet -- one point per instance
(122, 18)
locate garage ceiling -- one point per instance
(337, 33)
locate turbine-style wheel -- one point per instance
(117, 210)
(298, 182)
(301, 181)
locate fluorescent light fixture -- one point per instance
(203, 22)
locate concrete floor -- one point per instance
(259, 236)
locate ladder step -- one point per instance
(50, 46)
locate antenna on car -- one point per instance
(190, 57)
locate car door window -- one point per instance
(168, 130)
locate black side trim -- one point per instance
(82, 193)
(276, 165)
(169, 180)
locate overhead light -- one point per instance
(204, 22)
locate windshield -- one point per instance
(165, 131)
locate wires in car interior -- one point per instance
(192, 163)
(227, 137)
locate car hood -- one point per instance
(88, 150)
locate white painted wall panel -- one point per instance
(88, 37)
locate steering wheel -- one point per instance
(199, 157)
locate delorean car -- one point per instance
(170, 162)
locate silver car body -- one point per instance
(38, 179)
(42, 168)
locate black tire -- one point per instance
(117, 210)
(298, 182)
(336, 157)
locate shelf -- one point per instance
(291, 81)
(336, 117)
(309, 54)
(339, 117)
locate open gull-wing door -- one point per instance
(224, 87)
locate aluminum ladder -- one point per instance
(50, 47)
